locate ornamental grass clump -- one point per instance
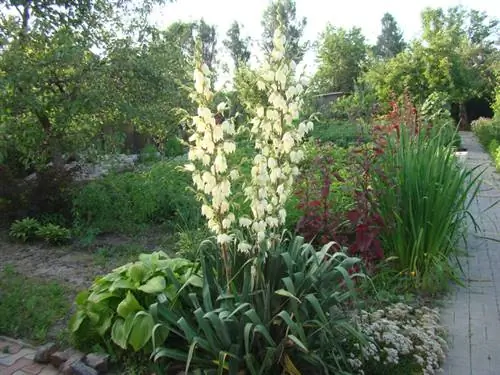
(426, 211)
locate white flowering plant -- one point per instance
(270, 304)
(401, 339)
(277, 136)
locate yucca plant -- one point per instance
(285, 313)
(424, 198)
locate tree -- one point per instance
(46, 94)
(341, 56)
(390, 42)
(455, 57)
(56, 96)
(237, 46)
(458, 54)
(208, 37)
(285, 13)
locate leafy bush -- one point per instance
(335, 201)
(53, 234)
(341, 133)
(291, 321)
(128, 201)
(173, 147)
(25, 229)
(149, 154)
(117, 305)
(486, 130)
(424, 198)
(402, 340)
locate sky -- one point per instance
(365, 14)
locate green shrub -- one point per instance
(486, 130)
(424, 197)
(115, 311)
(173, 147)
(129, 201)
(149, 154)
(341, 133)
(25, 229)
(492, 148)
(291, 320)
(53, 234)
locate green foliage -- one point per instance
(29, 229)
(424, 197)
(390, 42)
(115, 310)
(497, 159)
(30, 307)
(284, 14)
(237, 46)
(189, 241)
(290, 321)
(455, 56)
(149, 154)
(128, 201)
(492, 148)
(487, 130)
(53, 234)
(25, 229)
(341, 133)
(173, 147)
(342, 54)
(361, 105)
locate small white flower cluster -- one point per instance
(400, 331)
(210, 144)
(279, 142)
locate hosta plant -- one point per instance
(24, 229)
(117, 305)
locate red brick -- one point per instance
(34, 368)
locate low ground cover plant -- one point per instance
(402, 340)
(21, 315)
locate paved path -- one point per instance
(16, 358)
(472, 314)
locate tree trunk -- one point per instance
(463, 118)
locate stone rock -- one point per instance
(97, 361)
(44, 352)
(58, 358)
(80, 368)
(66, 366)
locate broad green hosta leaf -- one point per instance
(142, 329)
(121, 331)
(155, 285)
(128, 306)
(137, 273)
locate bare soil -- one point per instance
(76, 265)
